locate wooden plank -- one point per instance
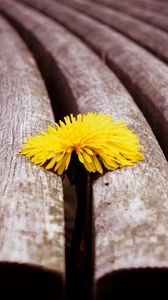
(31, 206)
(150, 5)
(145, 76)
(130, 204)
(157, 19)
(153, 39)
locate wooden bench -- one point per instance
(157, 19)
(129, 205)
(145, 77)
(149, 5)
(151, 38)
(32, 259)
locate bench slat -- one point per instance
(31, 205)
(153, 39)
(130, 204)
(145, 76)
(157, 19)
(149, 5)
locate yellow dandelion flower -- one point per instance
(95, 138)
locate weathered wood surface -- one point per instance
(157, 19)
(153, 39)
(144, 75)
(130, 204)
(150, 5)
(31, 199)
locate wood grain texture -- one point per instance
(150, 5)
(157, 19)
(31, 199)
(153, 39)
(130, 204)
(144, 76)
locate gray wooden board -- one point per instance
(31, 199)
(130, 213)
(157, 19)
(151, 38)
(144, 75)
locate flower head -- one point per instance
(95, 138)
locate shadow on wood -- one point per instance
(133, 284)
(29, 282)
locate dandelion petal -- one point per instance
(98, 141)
